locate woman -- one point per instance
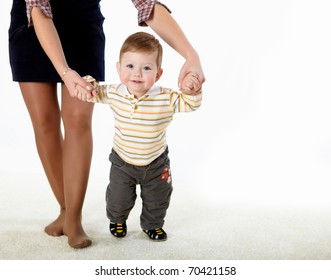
(46, 39)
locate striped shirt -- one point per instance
(144, 7)
(141, 124)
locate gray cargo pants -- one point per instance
(156, 188)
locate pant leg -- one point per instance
(121, 191)
(155, 193)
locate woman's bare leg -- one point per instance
(42, 104)
(77, 154)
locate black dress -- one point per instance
(80, 27)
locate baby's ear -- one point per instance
(158, 74)
(118, 66)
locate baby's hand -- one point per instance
(81, 93)
(191, 84)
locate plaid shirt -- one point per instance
(144, 7)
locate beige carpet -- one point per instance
(197, 229)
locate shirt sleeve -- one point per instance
(145, 9)
(44, 6)
(181, 102)
(104, 94)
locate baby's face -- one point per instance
(138, 71)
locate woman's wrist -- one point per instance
(192, 56)
(65, 72)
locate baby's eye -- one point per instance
(130, 66)
(147, 68)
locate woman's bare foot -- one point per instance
(56, 227)
(77, 238)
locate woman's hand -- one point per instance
(77, 86)
(191, 77)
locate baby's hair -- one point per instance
(143, 42)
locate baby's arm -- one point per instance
(190, 96)
(185, 102)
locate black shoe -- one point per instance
(118, 230)
(157, 234)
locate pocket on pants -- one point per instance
(21, 43)
(116, 160)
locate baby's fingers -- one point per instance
(82, 93)
(191, 84)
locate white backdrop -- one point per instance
(263, 131)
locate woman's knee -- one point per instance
(77, 120)
(46, 124)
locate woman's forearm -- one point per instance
(49, 40)
(167, 28)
